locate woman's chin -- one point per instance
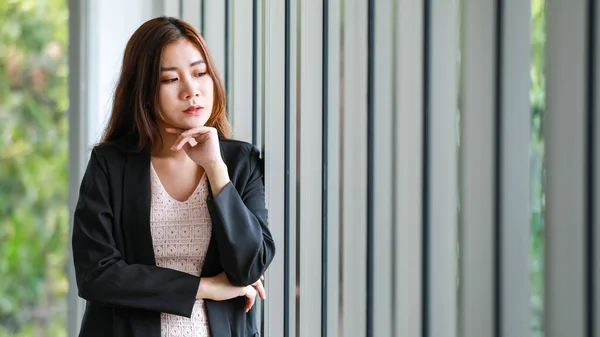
(189, 124)
(196, 125)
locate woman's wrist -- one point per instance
(202, 291)
(218, 176)
(215, 167)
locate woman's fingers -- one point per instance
(193, 131)
(192, 136)
(193, 139)
(196, 131)
(187, 146)
(175, 131)
(260, 288)
(250, 297)
(180, 142)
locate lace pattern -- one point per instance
(181, 234)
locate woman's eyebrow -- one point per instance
(175, 68)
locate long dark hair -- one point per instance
(134, 110)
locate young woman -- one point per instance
(170, 233)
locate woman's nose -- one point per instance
(191, 93)
(190, 90)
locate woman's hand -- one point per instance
(260, 288)
(218, 288)
(201, 144)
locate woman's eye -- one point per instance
(169, 80)
(200, 74)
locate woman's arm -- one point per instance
(246, 247)
(239, 219)
(101, 273)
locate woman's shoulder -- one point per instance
(239, 148)
(114, 153)
(237, 152)
(123, 146)
(109, 151)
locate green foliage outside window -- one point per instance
(537, 98)
(33, 167)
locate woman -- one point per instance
(170, 233)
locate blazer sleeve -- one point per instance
(101, 273)
(240, 227)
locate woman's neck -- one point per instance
(163, 149)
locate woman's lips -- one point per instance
(194, 110)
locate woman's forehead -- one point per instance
(181, 52)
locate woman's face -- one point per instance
(185, 96)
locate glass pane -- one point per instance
(537, 167)
(33, 167)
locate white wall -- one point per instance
(112, 22)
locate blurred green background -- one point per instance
(33, 167)
(537, 99)
(34, 160)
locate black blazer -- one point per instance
(115, 267)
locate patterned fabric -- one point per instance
(180, 234)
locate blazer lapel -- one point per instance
(136, 209)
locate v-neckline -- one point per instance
(164, 190)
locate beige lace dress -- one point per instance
(181, 233)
